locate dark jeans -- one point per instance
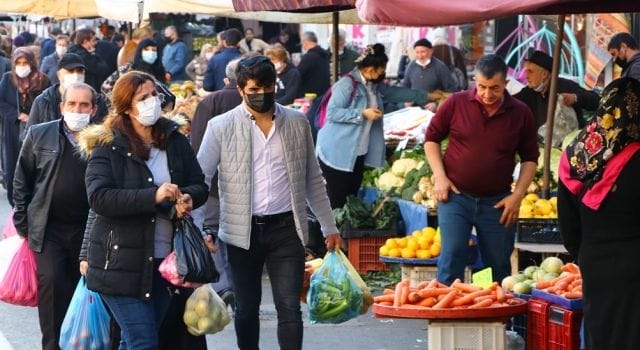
(140, 320)
(58, 272)
(276, 244)
(341, 184)
(457, 216)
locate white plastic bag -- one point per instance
(205, 312)
(8, 248)
(565, 122)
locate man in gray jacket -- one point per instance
(268, 172)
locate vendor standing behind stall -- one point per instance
(486, 128)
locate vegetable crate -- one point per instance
(466, 335)
(364, 254)
(563, 329)
(417, 274)
(537, 316)
(538, 231)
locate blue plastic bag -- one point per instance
(334, 296)
(86, 324)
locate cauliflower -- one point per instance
(402, 166)
(388, 180)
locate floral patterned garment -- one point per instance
(617, 123)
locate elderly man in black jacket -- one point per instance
(536, 93)
(314, 67)
(46, 107)
(51, 205)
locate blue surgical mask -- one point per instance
(149, 56)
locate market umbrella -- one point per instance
(447, 12)
(59, 9)
(330, 7)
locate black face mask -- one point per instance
(168, 39)
(261, 103)
(622, 63)
(379, 79)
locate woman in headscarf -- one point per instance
(198, 66)
(146, 59)
(598, 214)
(18, 89)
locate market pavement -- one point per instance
(19, 328)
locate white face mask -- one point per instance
(149, 111)
(149, 56)
(540, 87)
(76, 121)
(61, 50)
(23, 71)
(208, 55)
(424, 63)
(69, 79)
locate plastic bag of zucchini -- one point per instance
(334, 296)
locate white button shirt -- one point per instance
(271, 192)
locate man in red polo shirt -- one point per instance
(486, 128)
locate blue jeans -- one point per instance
(140, 320)
(276, 244)
(456, 217)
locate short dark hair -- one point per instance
(622, 38)
(373, 56)
(117, 38)
(232, 36)
(258, 68)
(423, 42)
(490, 65)
(83, 35)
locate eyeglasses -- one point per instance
(252, 61)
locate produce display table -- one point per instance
(519, 306)
(545, 249)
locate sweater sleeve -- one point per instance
(317, 190)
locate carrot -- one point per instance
(428, 302)
(425, 293)
(500, 294)
(397, 301)
(383, 298)
(572, 295)
(432, 284)
(484, 297)
(468, 298)
(414, 297)
(562, 285)
(446, 300)
(577, 282)
(465, 287)
(388, 291)
(481, 304)
(386, 303)
(570, 267)
(404, 294)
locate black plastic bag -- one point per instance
(193, 259)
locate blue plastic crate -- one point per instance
(570, 304)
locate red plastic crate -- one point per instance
(537, 319)
(563, 329)
(364, 253)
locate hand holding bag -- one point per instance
(193, 259)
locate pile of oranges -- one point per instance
(421, 244)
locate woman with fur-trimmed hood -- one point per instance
(141, 174)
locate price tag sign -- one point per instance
(402, 145)
(483, 278)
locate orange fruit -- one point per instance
(423, 254)
(384, 250)
(408, 253)
(423, 242)
(394, 253)
(391, 243)
(402, 242)
(435, 249)
(412, 243)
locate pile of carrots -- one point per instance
(435, 295)
(567, 285)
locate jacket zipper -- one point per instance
(109, 238)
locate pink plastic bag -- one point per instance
(169, 271)
(20, 283)
(9, 230)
